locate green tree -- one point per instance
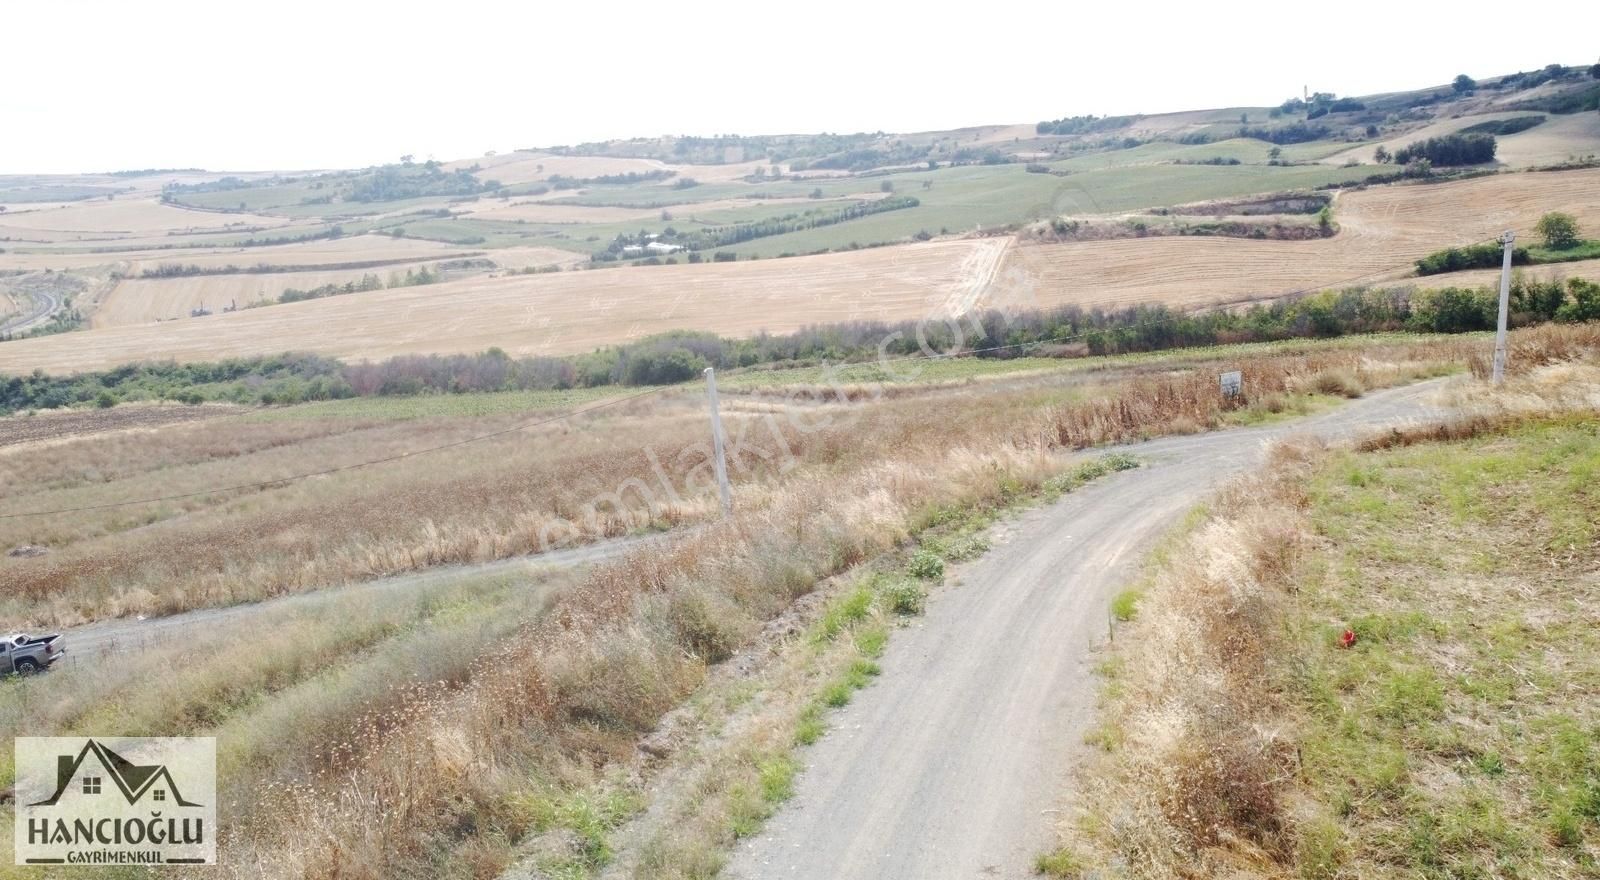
(1463, 84)
(1381, 154)
(1585, 302)
(1560, 231)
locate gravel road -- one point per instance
(947, 766)
(43, 304)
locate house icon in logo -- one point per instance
(85, 775)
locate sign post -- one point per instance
(1232, 383)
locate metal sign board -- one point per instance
(1232, 384)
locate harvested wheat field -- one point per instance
(1556, 140)
(1559, 138)
(328, 252)
(548, 314)
(145, 300)
(1382, 230)
(100, 220)
(1588, 270)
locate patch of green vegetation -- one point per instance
(1459, 730)
(1126, 604)
(1060, 863)
(1588, 249)
(844, 612)
(926, 565)
(1087, 472)
(904, 597)
(589, 814)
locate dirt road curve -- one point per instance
(948, 765)
(43, 304)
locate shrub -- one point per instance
(1125, 605)
(1560, 231)
(926, 565)
(905, 597)
(1478, 256)
(1451, 149)
(1455, 310)
(1584, 304)
(1504, 126)
(1341, 383)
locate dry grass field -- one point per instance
(1559, 138)
(1382, 230)
(147, 300)
(416, 761)
(559, 313)
(1589, 270)
(100, 221)
(134, 258)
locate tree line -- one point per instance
(678, 357)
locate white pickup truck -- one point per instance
(25, 654)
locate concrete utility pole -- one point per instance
(717, 442)
(1505, 308)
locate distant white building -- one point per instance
(632, 250)
(661, 247)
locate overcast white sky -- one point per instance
(100, 86)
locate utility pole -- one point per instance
(1505, 308)
(717, 442)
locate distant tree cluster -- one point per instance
(1085, 124)
(394, 182)
(1294, 133)
(1450, 149)
(1504, 126)
(560, 181)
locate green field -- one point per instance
(953, 199)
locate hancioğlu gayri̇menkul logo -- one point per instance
(116, 800)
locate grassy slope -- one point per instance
(1461, 735)
(1458, 737)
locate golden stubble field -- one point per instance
(1382, 230)
(561, 313)
(112, 220)
(1556, 140)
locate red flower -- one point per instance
(1348, 639)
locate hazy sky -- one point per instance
(100, 86)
